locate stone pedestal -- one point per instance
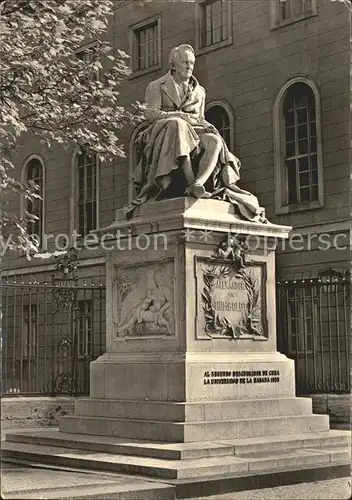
(191, 331)
(191, 388)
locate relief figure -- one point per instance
(150, 311)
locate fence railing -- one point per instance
(314, 329)
(51, 331)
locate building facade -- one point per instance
(277, 78)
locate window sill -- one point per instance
(287, 209)
(209, 48)
(282, 24)
(146, 71)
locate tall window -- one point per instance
(286, 11)
(85, 321)
(220, 118)
(298, 147)
(301, 145)
(34, 174)
(146, 48)
(215, 22)
(302, 318)
(87, 192)
(30, 331)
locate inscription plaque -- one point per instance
(229, 377)
(230, 301)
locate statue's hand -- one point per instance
(212, 129)
(190, 118)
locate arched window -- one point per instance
(87, 195)
(34, 173)
(220, 115)
(298, 151)
(301, 144)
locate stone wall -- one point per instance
(337, 406)
(43, 411)
(34, 411)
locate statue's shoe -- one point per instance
(197, 191)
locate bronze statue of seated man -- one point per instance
(178, 138)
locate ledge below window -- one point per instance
(145, 71)
(281, 24)
(288, 209)
(215, 46)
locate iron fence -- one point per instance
(51, 331)
(313, 329)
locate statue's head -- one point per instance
(181, 60)
(158, 278)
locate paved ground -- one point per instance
(19, 482)
(20, 479)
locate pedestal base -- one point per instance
(194, 397)
(192, 377)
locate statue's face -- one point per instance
(184, 64)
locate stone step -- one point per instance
(119, 446)
(130, 491)
(173, 469)
(194, 431)
(101, 493)
(307, 456)
(166, 469)
(195, 411)
(182, 451)
(272, 444)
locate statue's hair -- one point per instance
(176, 50)
(158, 274)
